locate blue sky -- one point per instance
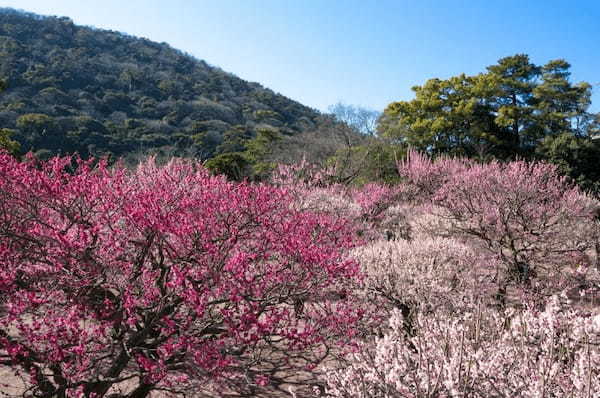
(362, 52)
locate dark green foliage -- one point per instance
(233, 164)
(577, 157)
(95, 92)
(504, 113)
(258, 150)
(374, 160)
(6, 143)
(244, 156)
(453, 116)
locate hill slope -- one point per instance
(80, 89)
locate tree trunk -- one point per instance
(515, 126)
(142, 391)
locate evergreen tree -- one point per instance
(505, 112)
(514, 98)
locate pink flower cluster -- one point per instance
(163, 278)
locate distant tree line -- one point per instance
(514, 110)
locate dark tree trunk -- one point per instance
(142, 391)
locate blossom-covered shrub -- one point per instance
(425, 274)
(315, 189)
(552, 353)
(164, 278)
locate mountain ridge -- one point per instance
(75, 88)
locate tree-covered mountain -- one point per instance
(79, 89)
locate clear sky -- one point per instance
(362, 52)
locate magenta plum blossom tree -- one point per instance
(163, 279)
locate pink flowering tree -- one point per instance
(163, 279)
(531, 220)
(423, 176)
(318, 189)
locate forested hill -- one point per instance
(74, 88)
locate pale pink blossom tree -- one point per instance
(551, 353)
(535, 223)
(426, 275)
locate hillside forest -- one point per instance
(168, 230)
